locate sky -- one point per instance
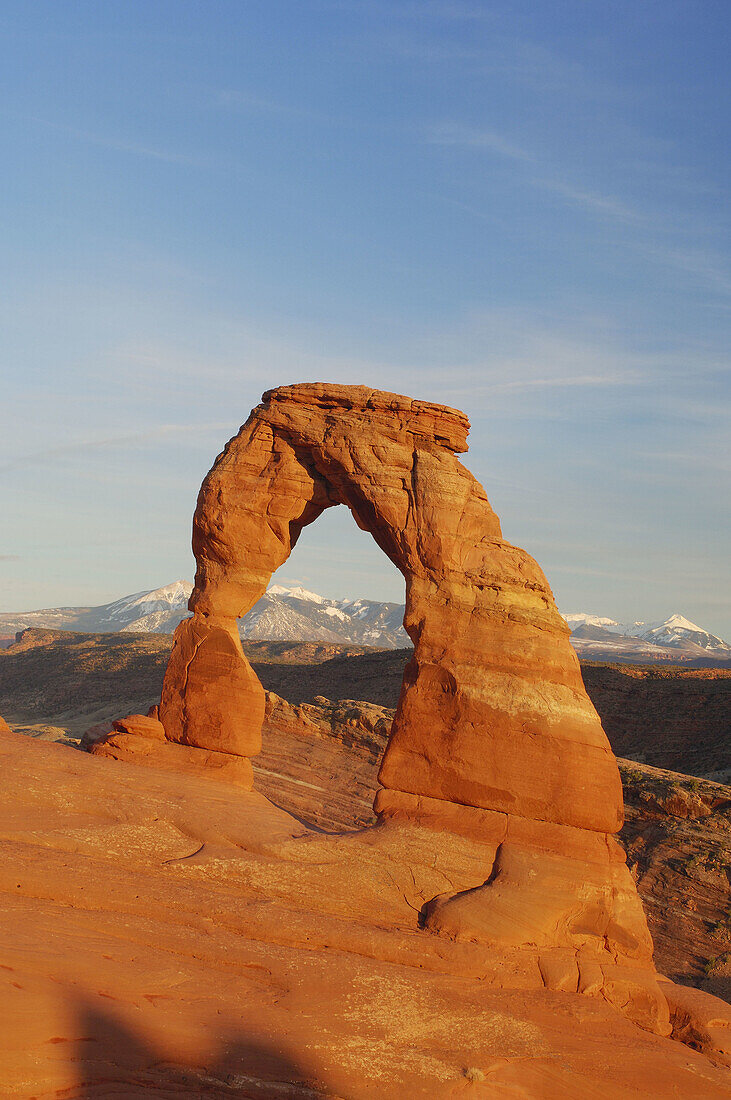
(516, 208)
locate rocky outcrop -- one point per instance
(300, 766)
(304, 748)
(140, 739)
(4, 727)
(678, 840)
(494, 738)
(320, 762)
(668, 718)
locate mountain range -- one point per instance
(675, 638)
(295, 614)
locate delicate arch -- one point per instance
(493, 713)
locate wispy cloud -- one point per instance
(468, 137)
(624, 378)
(695, 262)
(247, 102)
(490, 141)
(115, 142)
(607, 205)
(64, 450)
(697, 458)
(699, 264)
(445, 10)
(587, 571)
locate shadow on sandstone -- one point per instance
(115, 1063)
(719, 985)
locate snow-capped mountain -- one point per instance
(159, 610)
(578, 619)
(675, 638)
(171, 597)
(296, 614)
(282, 614)
(677, 631)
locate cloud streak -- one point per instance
(161, 431)
(465, 137)
(116, 144)
(578, 380)
(696, 263)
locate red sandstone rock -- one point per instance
(493, 712)
(140, 739)
(4, 727)
(493, 729)
(95, 733)
(700, 1020)
(142, 725)
(165, 935)
(133, 749)
(211, 697)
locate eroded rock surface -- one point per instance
(678, 840)
(494, 741)
(677, 832)
(163, 934)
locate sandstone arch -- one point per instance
(495, 743)
(493, 713)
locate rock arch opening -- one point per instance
(329, 708)
(336, 587)
(494, 739)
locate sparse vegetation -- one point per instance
(721, 929)
(474, 1074)
(713, 861)
(717, 963)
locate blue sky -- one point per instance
(516, 208)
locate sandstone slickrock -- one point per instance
(163, 934)
(677, 835)
(494, 742)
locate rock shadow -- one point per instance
(116, 1063)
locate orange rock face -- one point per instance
(164, 935)
(494, 736)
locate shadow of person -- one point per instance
(115, 1063)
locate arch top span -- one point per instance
(493, 713)
(445, 426)
(308, 447)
